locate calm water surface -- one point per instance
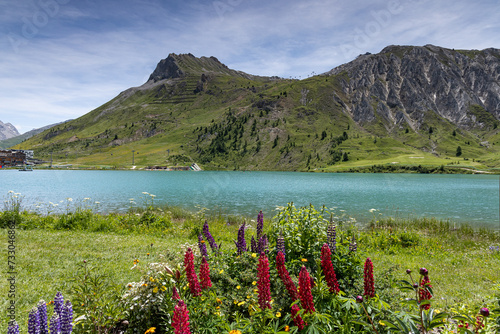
(461, 198)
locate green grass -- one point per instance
(462, 268)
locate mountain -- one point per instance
(7, 143)
(407, 105)
(7, 131)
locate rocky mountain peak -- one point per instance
(7, 131)
(403, 83)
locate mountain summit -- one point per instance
(7, 131)
(406, 102)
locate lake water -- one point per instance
(461, 198)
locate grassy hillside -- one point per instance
(224, 119)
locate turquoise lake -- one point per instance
(461, 198)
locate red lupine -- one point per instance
(326, 264)
(306, 299)
(264, 282)
(423, 293)
(297, 319)
(175, 294)
(194, 285)
(369, 282)
(205, 274)
(285, 276)
(180, 320)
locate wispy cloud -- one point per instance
(62, 61)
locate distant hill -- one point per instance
(7, 131)
(407, 105)
(7, 143)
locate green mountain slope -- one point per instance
(393, 108)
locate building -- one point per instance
(12, 158)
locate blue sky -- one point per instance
(59, 59)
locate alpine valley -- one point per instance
(407, 108)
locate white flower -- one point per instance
(10, 191)
(69, 199)
(372, 210)
(145, 193)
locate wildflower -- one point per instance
(175, 294)
(408, 271)
(331, 236)
(155, 290)
(194, 285)
(264, 283)
(485, 312)
(180, 320)
(210, 239)
(280, 245)
(13, 328)
(278, 314)
(285, 276)
(260, 224)
(359, 299)
(163, 288)
(303, 260)
(423, 272)
(234, 331)
(287, 328)
(241, 303)
(67, 318)
(368, 279)
(221, 271)
(254, 254)
(423, 292)
(353, 246)
(219, 301)
(202, 246)
(205, 274)
(241, 244)
(263, 245)
(297, 319)
(150, 330)
(42, 317)
(58, 303)
(253, 246)
(306, 299)
(326, 264)
(147, 254)
(254, 283)
(238, 287)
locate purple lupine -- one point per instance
(202, 246)
(67, 318)
(331, 236)
(13, 328)
(42, 317)
(241, 244)
(55, 324)
(58, 303)
(260, 225)
(280, 245)
(263, 246)
(33, 322)
(353, 246)
(210, 239)
(253, 245)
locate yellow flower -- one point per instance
(303, 260)
(287, 328)
(254, 254)
(151, 330)
(248, 297)
(254, 283)
(238, 287)
(381, 323)
(219, 301)
(241, 303)
(163, 288)
(234, 331)
(147, 254)
(203, 241)
(144, 284)
(221, 271)
(155, 290)
(255, 290)
(278, 314)
(151, 279)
